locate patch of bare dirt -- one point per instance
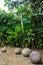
(10, 58)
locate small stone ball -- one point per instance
(3, 49)
(18, 50)
(26, 52)
(35, 57)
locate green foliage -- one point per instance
(25, 31)
(11, 32)
(40, 45)
(7, 26)
(37, 25)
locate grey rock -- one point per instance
(18, 50)
(26, 52)
(35, 57)
(3, 49)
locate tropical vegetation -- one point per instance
(23, 28)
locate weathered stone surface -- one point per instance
(26, 52)
(18, 50)
(3, 49)
(35, 57)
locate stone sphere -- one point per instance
(3, 49)
(18, 50)
(35, 57)
(26, 52)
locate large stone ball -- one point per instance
(35, 57)
(18, 50)
(3, 49)
(26, 52)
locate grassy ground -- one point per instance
(10, 58)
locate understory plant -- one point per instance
(24, 27)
